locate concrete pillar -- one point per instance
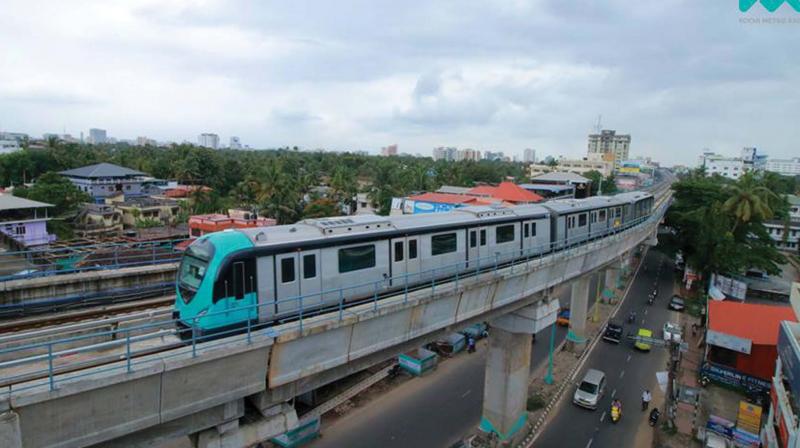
(576, 337)
(610, 285)
(10, 434)
(505, 392)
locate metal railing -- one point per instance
(43, 262)
(61, 364)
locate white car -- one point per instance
(672, 332)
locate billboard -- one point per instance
(416, 207)
(728, 286)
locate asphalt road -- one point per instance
(432, 411)
(628, 371)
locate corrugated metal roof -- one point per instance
(453, 190)
(561, 176)
(101, 170)
(9, 202)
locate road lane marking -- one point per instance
(621, 374)
(629, 359)
(642, 321)
(645, 312)
(466, 393)
(590, 443)
(603, 417)
(613, 393)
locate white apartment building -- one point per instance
(787, 237)
(235, 143)
(529, 156)
(9, 146)
(97, 136)
(613, 147)
(784, 167)
(208, 140)
(730, 167)
(580, 166)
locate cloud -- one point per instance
(678, 75)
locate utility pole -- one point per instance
(672, 366)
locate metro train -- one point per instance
(229, 279)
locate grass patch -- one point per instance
(535, 402)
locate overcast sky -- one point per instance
(502, 75)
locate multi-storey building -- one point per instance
(208, 140)
(730, 167)
(445, 153)
(529, 156)
(784, 167)
(235, 143)
(390, 150)
(106, 179)
(613, 147)
(786, 233)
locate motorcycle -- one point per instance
(616, 413)
(651, 299)
(654, 414)
(631, 317)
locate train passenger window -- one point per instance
(309, 266)
(582, 220)
(356, 258)
(570, 222)
(444, 243)
(602, 215)
(504, 234)
(533, 229)
(527, 230)
(398, 251)
(483, 237)
(412, 249)
(287, 270)
(473, 238)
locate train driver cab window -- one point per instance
(412, 249)
(287, 270)
(582, 220)
(443, 244)
(356, 258)
(309, 266)
(504, 234)
(398, 251)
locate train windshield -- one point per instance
(193, 267)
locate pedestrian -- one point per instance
(646, 397)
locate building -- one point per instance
(582, 185)
(742, 340)
(579, 166)
(199, 225)
(449, 153)
(491, 155)
(23, 223)
(786, 234)
(390, 150)
(98, 220)
(97, 136)
(207, 140)
(235, 143)
(9, 145)
(364, 205)
(611, 146)
(453, 190)
(469, 154)
(731, 167)
(506, 192)
(106, 179)
(551, 191)
(145, 211)
(144, 141)
(784, 167)
(529, 156)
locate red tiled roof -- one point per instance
(758, 323)
(181, 191)
(507, 191)
(445, 198)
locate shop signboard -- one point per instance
(749, 418)
(720, 426)
(790, 362)
(732, 377)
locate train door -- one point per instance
(399, 255)
(476, 247)
(288, 284)
(310, 277)
(412, 256)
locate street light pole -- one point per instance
(596, 317)
(548, 379)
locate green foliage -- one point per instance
(534, 403)
(718, 224)
(321, 208)
(609, 183)
(54, 189)
(147, 223)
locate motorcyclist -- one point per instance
(646, 397)
(631, 316)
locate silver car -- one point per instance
(590, 389)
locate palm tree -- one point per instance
(748, 201)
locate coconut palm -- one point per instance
(748, 201)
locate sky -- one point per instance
(678, 75)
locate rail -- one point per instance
(59, 364)
(44, 262)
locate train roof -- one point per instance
(633, 196)
(576, 205)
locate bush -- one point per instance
(535, 402)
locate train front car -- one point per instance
(215, 288)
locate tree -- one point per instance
(321, 208)
(54, 189)
(748, 201)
